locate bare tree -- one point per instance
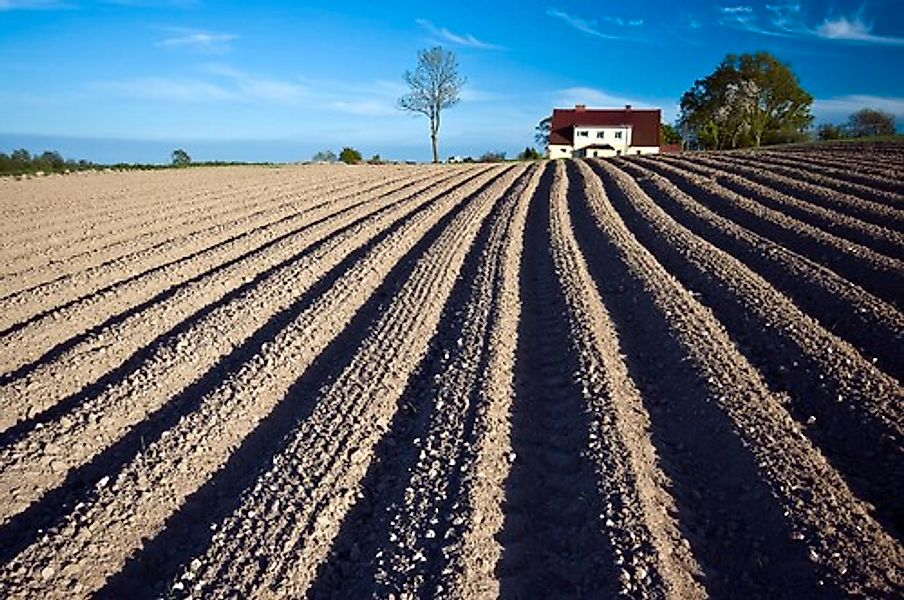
(435, 85)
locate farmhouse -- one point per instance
(592, 132)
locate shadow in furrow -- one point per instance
(862, 448)
(25, 528)
(133, 362)
(553, 543)
(352, 569)
(726, 510)
(67, 345)
(879, 281)
(833, 311)
(187, 533)
(848, 182)
(725, 176)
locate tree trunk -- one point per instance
(434, 134)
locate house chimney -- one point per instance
(627, 107)
(580, 107)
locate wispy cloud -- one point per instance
(735, 10)
(224, 84)
(588, 26)
(787, 20)
(620, 22)
(467, 40)
(854, 29)
(32, 4)
(198, 39)
(842, 106)
(744, 18)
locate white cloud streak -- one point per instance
(197, 39)
(854, 29)
(787, 20)
(590, 27)
(466, 40)
(734, 10)
(843, 106)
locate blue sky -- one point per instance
(130, 80)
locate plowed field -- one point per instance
(660, 377)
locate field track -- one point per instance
(659, 377)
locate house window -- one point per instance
(600, 134)
(584, 133)
(618, 135)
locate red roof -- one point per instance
(644, 123)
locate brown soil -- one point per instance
(674, 377)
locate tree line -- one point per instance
(867, 122)
(21, 161)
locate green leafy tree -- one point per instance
(829, 131)
(747, 99)
(20, 156)
(434, 86)
(327, 156)
(541, 132)
(492, 157)
(870, 122)
(52, 161)
(668, 134)
(376, 160)
(181, 158)
(530, 154)
(350, 156)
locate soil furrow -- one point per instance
(738, 462)
(834, 393)
(84, 365)
(469, 566)
(181, 359)
(553, 542)
(872, 326)
(86, 235)
(651, 553)
(318, 459)
(848, 162)
(147, 201)
(65, 280)
(878, 213)
(154, 483)
(876, 187)
(36, 342)
(876, 273)
(51, 202)
(869, 234)
(396, 538)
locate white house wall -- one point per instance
(608, 137)
(644, 150)
(560, 151)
